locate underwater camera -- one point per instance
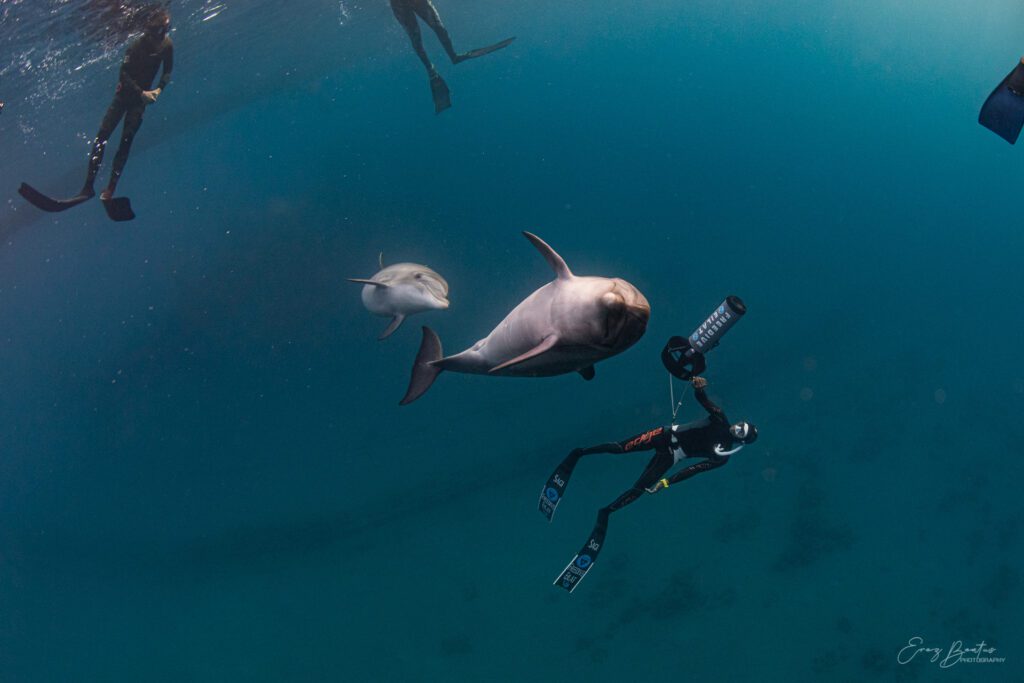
(684, 356)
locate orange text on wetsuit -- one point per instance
(643, 438)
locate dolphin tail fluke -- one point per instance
(424, 369)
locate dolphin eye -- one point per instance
(419, 276)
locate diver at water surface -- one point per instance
(407, 11)
(712, 438)
(134, 92)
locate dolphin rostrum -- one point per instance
(565, 326)
(401, 290)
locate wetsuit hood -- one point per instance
(157, 26)
(743, 432)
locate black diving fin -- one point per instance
(481, 51)
(439, 90)
(1003, 111)
(41, 201)
(119, 209)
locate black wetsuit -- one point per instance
(142, 61)
(697, 439)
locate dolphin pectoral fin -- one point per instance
(556, 262)
(363, 281)
(392, 326)
(425, 369)
(587, 373)
(546, 345)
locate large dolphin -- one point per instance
(402, 289)
(565, 326)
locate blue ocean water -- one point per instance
(204, 472)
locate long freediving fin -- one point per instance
(546, 345)
(439, 90)
(481, 51)
(583, 562)
(392, 326)
(554, 489)
(424, 369)
(41, 201)
(119, 209)
(1003, 111)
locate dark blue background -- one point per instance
(204, 472)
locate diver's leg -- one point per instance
(657, 439)
(407, 18)
(428, 13)
(554, 487)
(587, 555)
(132, 123)
(110, 120)
(656, 468)
(659, 465)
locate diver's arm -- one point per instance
(702, 397)
(168, 66)
(125, 79)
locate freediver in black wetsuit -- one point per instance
(143, 59)
(712, 438)
(406, 11)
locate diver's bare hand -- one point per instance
(149, 96)
(699, 382)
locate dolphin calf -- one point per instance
(401, 290)
(565, 326)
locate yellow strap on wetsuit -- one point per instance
(665, 482)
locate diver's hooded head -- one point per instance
(158, 23)
(744, 432)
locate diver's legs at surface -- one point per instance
(407, 18)
(132, 123)
(428, 13)
(99, 145)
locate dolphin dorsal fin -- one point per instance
(380, 260)
(556, 262)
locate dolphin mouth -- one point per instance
(634, 325)
(640, 312)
